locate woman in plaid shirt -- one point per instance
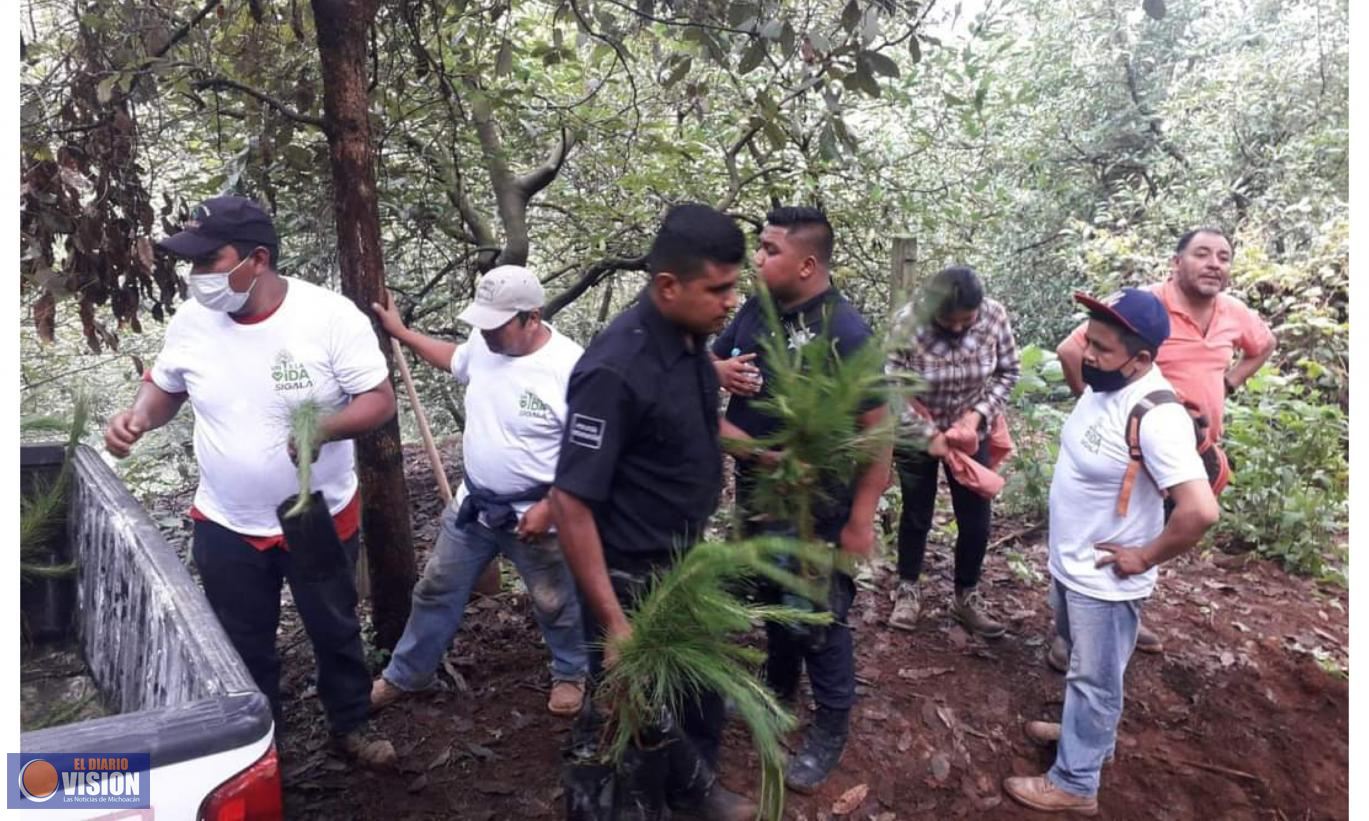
(960, 344)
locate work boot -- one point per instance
(818, 755)
(366, 747)
(1059, 656)
(720, 804)
(966, 607)
(1039, 793)
(1047, 733)
(1042, 732)
(383, 694)
(1148, 641)
(566, 698)
(907, 606)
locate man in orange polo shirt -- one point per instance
(1207, 327)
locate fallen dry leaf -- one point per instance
(920, 673)
(851, 800)
(940, 766)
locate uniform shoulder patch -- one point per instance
(587, 431)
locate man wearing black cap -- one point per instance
(250, 347)
(1108, 534)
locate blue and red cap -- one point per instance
(1135, 309)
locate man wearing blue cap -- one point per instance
(1106, 540)
(249, 347)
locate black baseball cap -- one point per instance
(218, 221)
(1136, 309)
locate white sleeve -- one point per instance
(1169, 446)
(168, 372)
(358, 364)
(461, 360)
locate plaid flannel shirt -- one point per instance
(976, 373)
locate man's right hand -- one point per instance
(613, 639)
(388, 315)
(124, 429)
(738, 376)
(937, 446)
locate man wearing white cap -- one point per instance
(516, 368)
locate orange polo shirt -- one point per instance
(1194, 362)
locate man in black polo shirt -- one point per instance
(792, 260)
(640, 469)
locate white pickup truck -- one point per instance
(179, 691)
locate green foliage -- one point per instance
(684, 638)
(817, 397)
(1039, 407)
(1288, 497)
(305, 436)
(40, 513)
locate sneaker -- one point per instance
(1059, 656)
(1042, 732)
(967, 606)
(815, 760)
(1148, 641)
(566, 698)
(907, 606)
(720, 804)
(1039, 793)
(367, 748)
(383, 694)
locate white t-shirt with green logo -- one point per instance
(515, 412)
(1088, 475)
(243, 379)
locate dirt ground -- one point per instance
(1244, 716)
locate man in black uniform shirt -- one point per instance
(792, 260)
(640, 469)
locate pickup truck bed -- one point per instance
(156, 651)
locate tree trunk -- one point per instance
(342, 27)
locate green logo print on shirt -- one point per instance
(288, 374)
(530, 405)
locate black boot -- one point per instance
(720, 804)
(820, 751)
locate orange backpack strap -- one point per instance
(1147, 402)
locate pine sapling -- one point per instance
(305, 435)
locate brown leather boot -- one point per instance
(967, 607)
(1039, 793)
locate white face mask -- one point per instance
(213, 291)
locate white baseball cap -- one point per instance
(501, 293)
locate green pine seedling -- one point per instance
(306, 433)
(40, 513)
(683, 639)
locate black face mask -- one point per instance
(952, 337)
(1105, 381)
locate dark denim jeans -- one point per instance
(243, 585)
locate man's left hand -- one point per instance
(294, 451)
(535, 523)
(970, 420)
(858, 539)
(1125, 561)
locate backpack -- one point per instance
(1214, 459)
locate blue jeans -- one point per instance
(1101, 635)
(440, 597)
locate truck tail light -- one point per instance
(251, 795)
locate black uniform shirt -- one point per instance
(641, 442)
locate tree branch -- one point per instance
(541, 176)
(184, 31)
(591, 277)
(285, 110)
